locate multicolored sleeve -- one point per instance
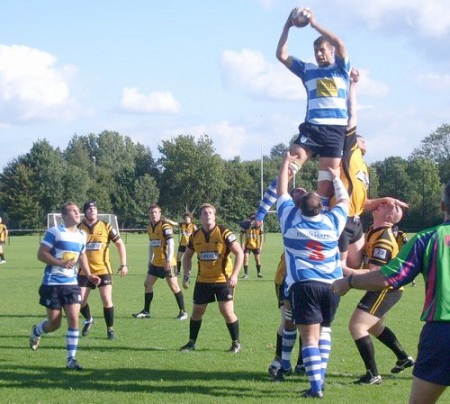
(167, 231)
(408, 263)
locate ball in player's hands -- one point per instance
(300, 17)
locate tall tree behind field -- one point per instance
(436, 147)
(191, 173)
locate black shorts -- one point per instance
(322, 140)
(84, 282)
(352, 232)
(58, 296)
(313, 303)
(379, 303)
(205, 293)
(255, 251)
(433, 360)
(181, 248)
(160, 272)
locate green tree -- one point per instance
(18, 196)
(146, 192)
(192, 173)
(436, 147)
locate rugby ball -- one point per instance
(300, 17)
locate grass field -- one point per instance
(144, 363)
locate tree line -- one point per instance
(124, 178)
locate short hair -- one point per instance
(321, 39)
(207, 205)
(154, 206)
(446, 197)
(187, 214)
(65, 206)
(311, 204)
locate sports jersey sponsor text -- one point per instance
(209, 256)
(94, 246)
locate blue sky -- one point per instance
(156, 69)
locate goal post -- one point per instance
(55, 219)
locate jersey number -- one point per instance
(316, 251)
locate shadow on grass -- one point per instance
(220, 384)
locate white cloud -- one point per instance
(248, 70)
(156, 102)
(369, 87)
(436, 82)
(228, 140)
(32, 87)
(431, 18)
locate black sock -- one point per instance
(178, 266)
(279, 345)
(2, 257)
(388, 338)
(86, 312)
(108, 314)
(258, 269)
(148, 300)
(367, 352)
(180, 300)
(245, 269)
(233, 329)
(194, 328)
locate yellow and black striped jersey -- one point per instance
(213, 254)
(354, 174)
(158, 236)
(3, 233)
(253, 237)
(281, 270)
(98, 236)
(185, 232)
(381, 246)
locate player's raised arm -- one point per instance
(282, 47)
(283, 175)
(331, 37)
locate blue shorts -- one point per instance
(322, 140)
(313, 303)
(57, 296)
(433, 360)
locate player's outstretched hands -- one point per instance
(354, 75)
(335, 172)
(393, 202)
(340, 286)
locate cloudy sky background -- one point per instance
(156, 69)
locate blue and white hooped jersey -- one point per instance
(63, 245)
(311, 243)
(326, 89)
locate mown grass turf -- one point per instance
(144, 363)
